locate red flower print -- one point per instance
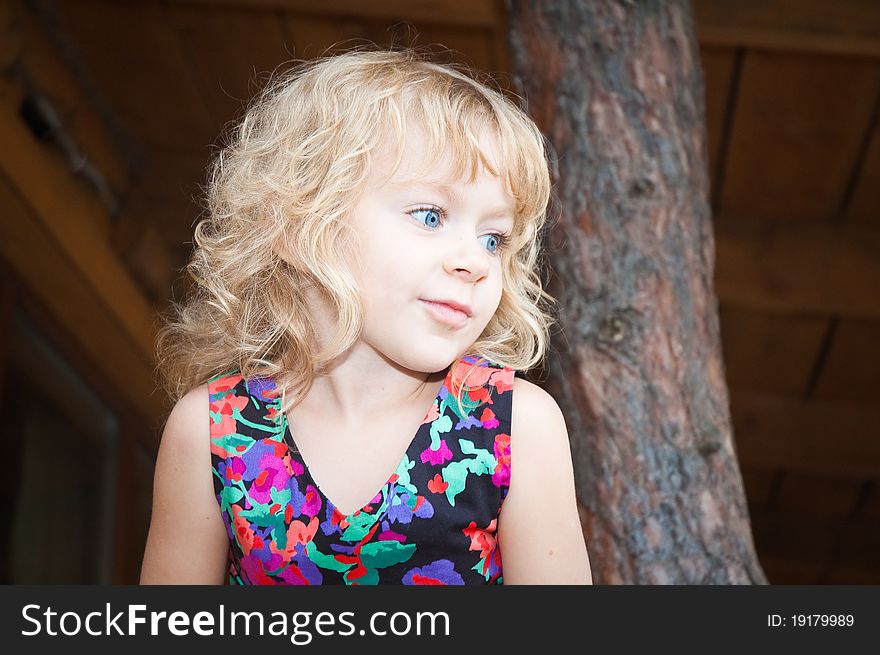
(482, 539)
(488, 419)
(301, 533)
(225, 407)
(243, 533)
(442, 454)
(297, 533)
(502, 379)
(437, 485)
(235, 468)
(501, 474)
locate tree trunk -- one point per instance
(636, 367)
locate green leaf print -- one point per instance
(232, 442)
(379, 554)
(439, 426)
(326, 561)
(229, 496)
(359, 526)
(259, 515)
(455, 473)
(403, 478)
(478, 567)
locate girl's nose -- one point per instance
(466, 256)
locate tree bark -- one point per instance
(636, 364)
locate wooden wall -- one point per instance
(145, 88)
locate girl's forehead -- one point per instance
(422, 162)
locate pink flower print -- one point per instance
(389, 535)
(488, 419)
(501, 474)
(502, 379)
(312, 503)
(271, 475)
(443, 454)
(234, 469)
(293, 466)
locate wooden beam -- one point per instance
(843, 27)
(798, 267)
(50, 74)
(454, 12)
(830, 540)
(826, 438)
(49, 237)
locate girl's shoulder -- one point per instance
(538, 431)
(533, 402)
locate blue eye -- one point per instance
(499, 241)
(436, 214)
(436, 211)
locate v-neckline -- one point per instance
(291, 446)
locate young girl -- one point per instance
(365, 292)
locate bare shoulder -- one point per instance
(539, 436)
(532, 404)
(188, 424)
(539, 530)
(186, 436)
(187, 539)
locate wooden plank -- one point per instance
(718, 69)
(791, 569)
(793, 267)
(136, 59)
(851, 369)
(864, 206)
(791, 534)
(169, 193)
(870, 509)
(46, 69)
(769, 352)
(51, 277)
(233, 49)
(501, 55)
(62, 255)
(453, 12)
(760, 485)
(311, 36)
(812, 493)
(842, 573)
(147, 256)
(799, 123)
(827, 438)
(845, 26)
(835, 542)
(471, 45)
(11, 34)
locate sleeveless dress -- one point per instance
(432, 523)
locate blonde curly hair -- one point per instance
(294, 167)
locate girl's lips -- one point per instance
(445, 313)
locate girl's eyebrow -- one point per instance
(451, 196)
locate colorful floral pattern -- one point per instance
(432, 523)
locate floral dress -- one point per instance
(432, 523)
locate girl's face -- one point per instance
(429, 239)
